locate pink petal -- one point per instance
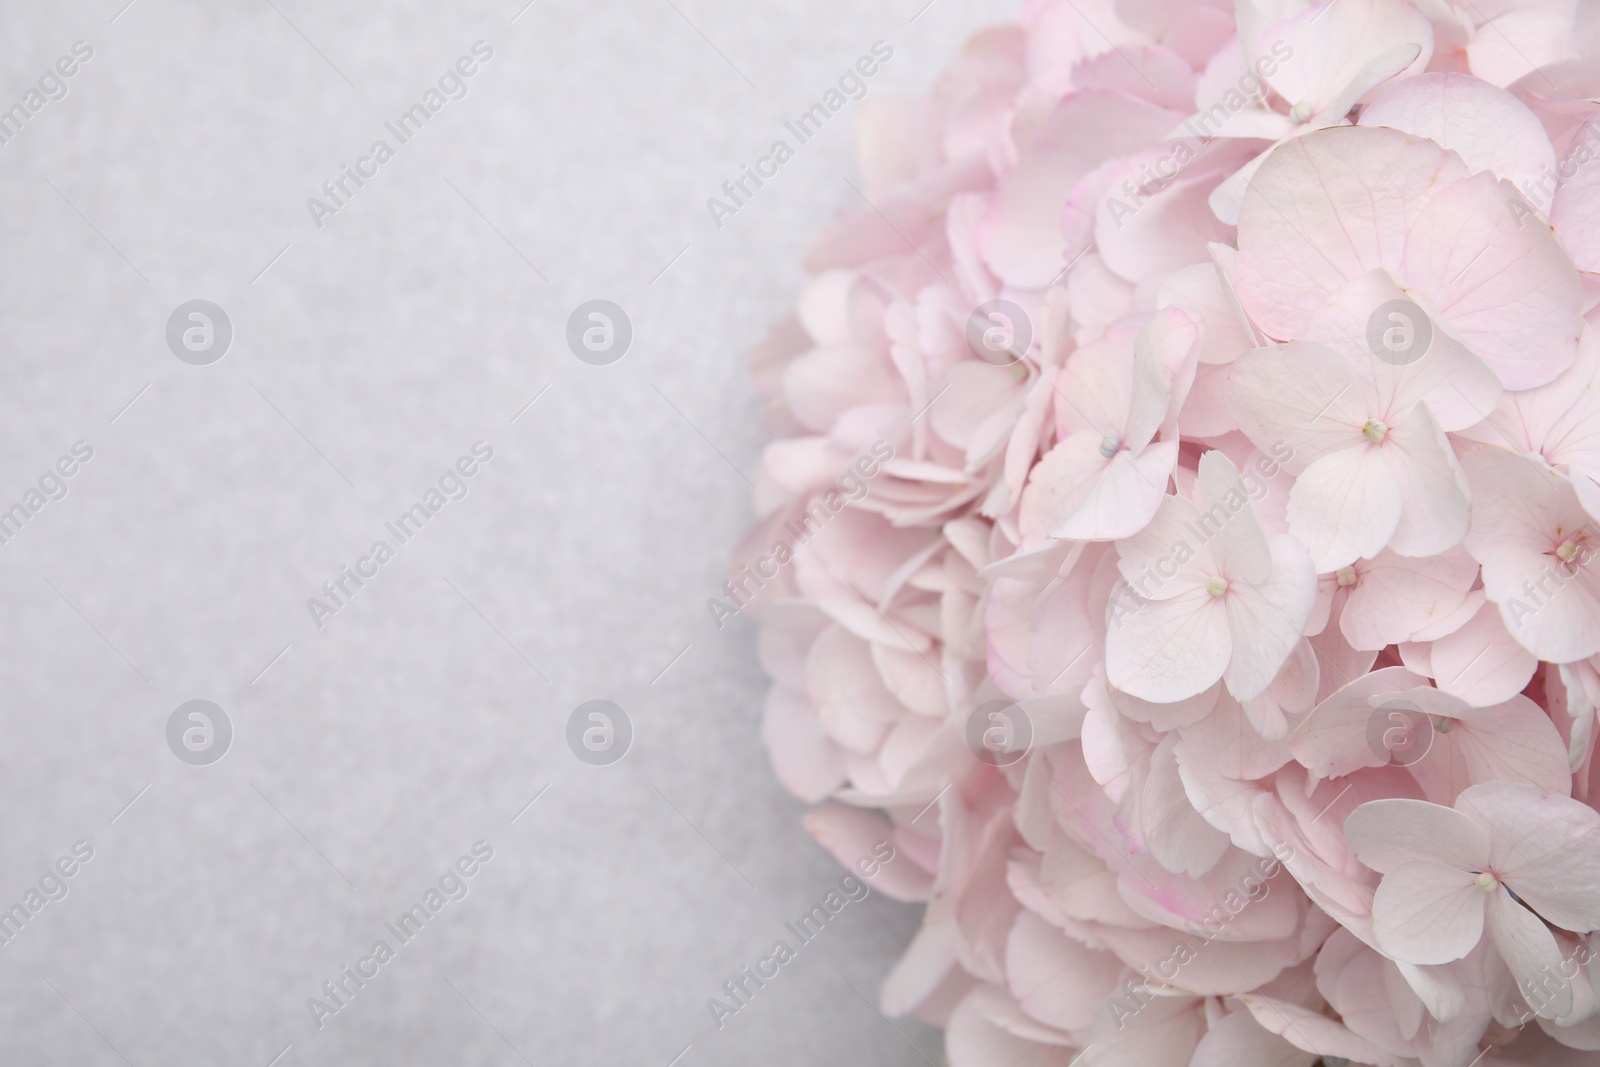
(1434, 517)
(1521, 512)
(1519, 503)
(1388, 833)
(1235, 903)
(1313, 1032)
(1486, 126)
(1326, 208)
(1079, 886)
(1332, 49)
(912, 679)
(1292, 693)
(1238, 1039)
(1509, 291)
(1510, 742)
(1076, 492)
(1482, 663)
(976, 392)
(1157, 73)
(1115, 750)
(1202, 291)
(1458, 387)
(1394, 597)
(824, 383)
(1148, 562)
(996, 1004)
(1205, 413)
(1335, 739)
(926, 964)
(1217, 966)
(970, 1040)
(1516, 39)
(1346, 505)
(1096, 296)
(855, 707)
(1575, 212)
(1163, 367)
(1266, 620)
(1166, 717)
(1020, 238)
(1069, 628)
(1224, 742)
(1163, 1033)
(1425, 912)
(1559, 420)
(860, 840)
(1056, 979)
(1335, 884)
(1162, 232)
(1530, 953)
(1095, 388)
(1546, 847)
(1302, 394)
(1239, 541)
(806, 760)
(1368, 991)
(1177, 836)
(1169, 650)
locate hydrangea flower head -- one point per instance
(1190, 513)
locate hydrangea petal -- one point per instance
(1425, 912)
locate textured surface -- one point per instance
(369, 754)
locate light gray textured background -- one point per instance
(366, 358)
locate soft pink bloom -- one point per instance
(1373, 467)
(1326, 209)
(1276, 543)
(1106, 476)
(1319, 63)
(1488, 127)
(1499, 860)
(1441, 740)
(1208, 595)
(1540, 553)
(1390, 599)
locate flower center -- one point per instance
(1443, 723)
(1567, 551)
(1216, 585)
(1374, 431)
(1488, 882)
(1301, 111)
(1109, 445)
(1346, 576)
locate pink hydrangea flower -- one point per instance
(1219, 661)
(1208, 595)
(1504, 859)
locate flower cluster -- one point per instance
(1220, 647)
